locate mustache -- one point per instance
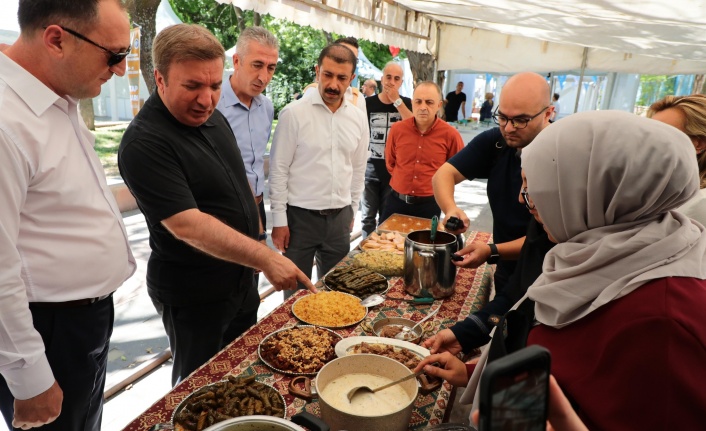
(332, 91)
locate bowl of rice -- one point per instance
(329, 309)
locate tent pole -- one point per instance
(436, 54)
(583, 70)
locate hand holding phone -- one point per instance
(514, 391)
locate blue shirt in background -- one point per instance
(252, 127)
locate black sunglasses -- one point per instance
(113, 57)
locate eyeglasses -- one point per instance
(525, 197)
(517, 122)
(113, 57)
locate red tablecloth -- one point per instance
(240, 357)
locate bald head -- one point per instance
(369, 87)
(392, 79)
(524, 96)
(528, 89)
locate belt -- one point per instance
(412, 200)
(328, 212)
(70, 304)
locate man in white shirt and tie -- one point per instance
(317, 167)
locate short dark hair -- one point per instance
(340, 54)
(348, 41)
(556, 96)
(79, 14)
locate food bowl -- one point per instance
(389, 326)
(393, 413)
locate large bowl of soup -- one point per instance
(389, 409)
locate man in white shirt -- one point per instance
(63, 245)
(317, 167)
(351, 94)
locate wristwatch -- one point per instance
(494, 255)
(262, 237)
(397, 102)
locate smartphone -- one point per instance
(514, 391)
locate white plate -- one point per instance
(346, 344)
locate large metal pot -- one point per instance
(269, 423)
(428, 270)
(366, 364)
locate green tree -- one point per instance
(655, 87)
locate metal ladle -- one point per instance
(406, 330)
(359, 389)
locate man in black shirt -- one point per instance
(180, 160)
(522, 113)
(384, 110)
(454, 101)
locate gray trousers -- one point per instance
(314, 236)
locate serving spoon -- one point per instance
(405, 330)
(361, 389)
(372, 300)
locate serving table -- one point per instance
(240, 357)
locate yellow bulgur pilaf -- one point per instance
(329, 309)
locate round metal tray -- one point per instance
(290, 372)
(327, 326)
(382, 292)
(215, 385)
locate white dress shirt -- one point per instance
(318, 157)
(61, 234)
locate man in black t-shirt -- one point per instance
(180, 160)
(384, 110)
(524, 110)
(454, 101)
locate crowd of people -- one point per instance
(598, 219)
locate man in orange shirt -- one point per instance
(415, 149)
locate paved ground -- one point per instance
(139, 336)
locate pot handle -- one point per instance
(310, 421)
(305, 393)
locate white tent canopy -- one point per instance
(506, 36)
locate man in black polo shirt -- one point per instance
(181, 162)
(524, 110)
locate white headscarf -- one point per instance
(604, 183)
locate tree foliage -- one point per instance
(655, 87)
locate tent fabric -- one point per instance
(415, 31)
(507, 36)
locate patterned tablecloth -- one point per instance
(240, 357)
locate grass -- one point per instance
(108, 141)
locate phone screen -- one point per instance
(519, 401)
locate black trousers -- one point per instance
(76, 340)
(325, 239)
(197, 332)
(396, 205)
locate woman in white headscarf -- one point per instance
(622, 297)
